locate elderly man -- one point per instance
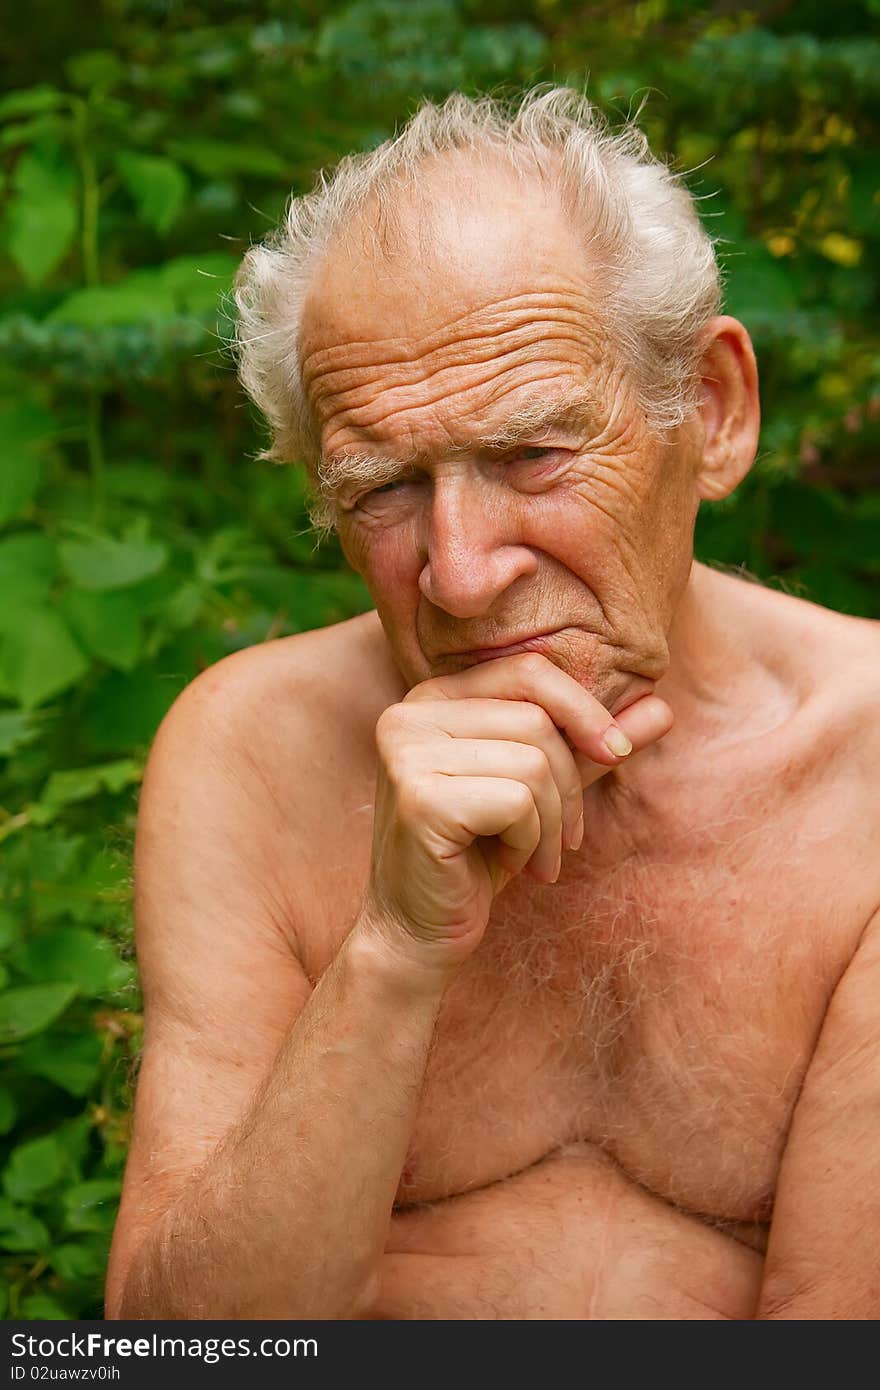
(475, 986)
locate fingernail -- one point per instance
(578, 838)
(616, 742)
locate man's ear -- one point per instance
(730, 409)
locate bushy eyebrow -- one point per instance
(534, 419)
(541, 416)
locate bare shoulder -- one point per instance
(837, 656)
(255, 765)
(270, 714)
(827, 656)
(824, 686)
(292, 682)
(832, 660)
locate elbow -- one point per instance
(128, 1295)
(121, 1304)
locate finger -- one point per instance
(531, 676)
(644, 722)
(513, 721)
(458, 758)
(464, 809)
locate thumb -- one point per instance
(644, 722)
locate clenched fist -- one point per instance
(481, 776)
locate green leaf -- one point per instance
(91, 1206)
(218, 158)
(54, 855)
(8, 1110)
(80, 1261)
(42, 215)
(29, 1009)
(88, 894)
(99, 561)
(24, 423)
(70, 1061)
(20, 479)
(75, 955)
(761, 288)
(124, 711)
(139, 298)
(184, 285)
(33, 1168)
(97, 67)
(10, 928)
(38, 656)
(42, 1307)
(20, 1230)
(157, 185)
(137, 481)
(30, 100)
(27, 569)
(74, 1136)
(81, 783)
(17, 730)
(108, 625)
(31, 131)
(198, 281)
(183, 607)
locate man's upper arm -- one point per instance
(823, 1259)
(221, 982)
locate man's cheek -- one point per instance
(378, 557)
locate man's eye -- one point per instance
(393, 485)
(533, 451)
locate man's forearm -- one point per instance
(289, 1216)
(822, 1260)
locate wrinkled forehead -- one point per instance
(474, 292)
(463, 226)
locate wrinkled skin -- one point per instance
(590, 532)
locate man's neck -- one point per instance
(716, 672)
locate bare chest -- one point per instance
(662, 1000)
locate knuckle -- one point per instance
(426, 690)
(532, 664)
(537, 721)
(536, 764)
(402, 766)
(413, 799)
(523, 801)
(389, 724)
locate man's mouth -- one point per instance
(536, 642)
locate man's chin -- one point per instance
(613, 689)
(593, 671)
(634, 688)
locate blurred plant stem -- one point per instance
(95, 445)
(91, 195)
(91, 198)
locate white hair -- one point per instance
(660, 281)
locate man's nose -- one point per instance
(472, 551)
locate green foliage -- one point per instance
(140, 542)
